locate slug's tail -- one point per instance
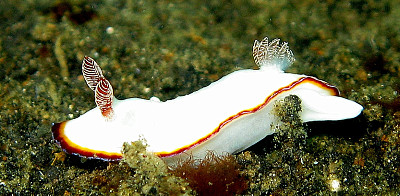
(100, 85)
(272, 54)
(319, 107)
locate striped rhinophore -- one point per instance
(91, 72)
(102, 88)
(104, 96)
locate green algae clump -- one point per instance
(139, 173)
(151, 175)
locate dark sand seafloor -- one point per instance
(171, 48)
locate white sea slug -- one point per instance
(229, 115)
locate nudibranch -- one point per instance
(227, 116)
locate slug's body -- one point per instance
(229, 115)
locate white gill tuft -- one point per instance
(272, 54)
